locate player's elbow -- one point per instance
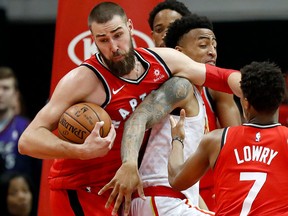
(171, 182)
(22, 144)
(173, 171)
(175, 185)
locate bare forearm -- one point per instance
(155, 107)
(175, 161)
(45, 145)
(224, 80)
(40, 142)
(132, 139)
(147, 114)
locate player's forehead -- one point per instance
(165, 16)
(199, 34)
(102, 29)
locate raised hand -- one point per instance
(177, 128)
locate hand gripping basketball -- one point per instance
(77, 122)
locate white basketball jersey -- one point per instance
(153, 169)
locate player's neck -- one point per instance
(5, 118)
(137, 71)
(264, 119)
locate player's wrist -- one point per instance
(178, 139)
(217, 79)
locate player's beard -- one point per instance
(124, 66)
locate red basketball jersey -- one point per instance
(250, 174)
(210, 107)
(123, 96)
(207, 180)
(283, 114)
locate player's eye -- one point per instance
(104, 40)
(159, 30)
(118, 35)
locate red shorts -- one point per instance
(79, 202)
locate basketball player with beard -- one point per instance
(118, 78)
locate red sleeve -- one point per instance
(217, 78)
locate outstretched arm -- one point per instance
(173, 93)
(220, 79)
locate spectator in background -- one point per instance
(16, 195)
(19, 105)
(11, 127)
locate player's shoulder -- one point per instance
(172, 57)
(211, 143)
(215, 135)
(162, 50)
(80, 78)
(80, 74)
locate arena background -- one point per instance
(41, 51)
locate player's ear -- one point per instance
(246, 105)
(130, 26)
(179, 48)
(91, 35)
(92, 38)
(152, 36)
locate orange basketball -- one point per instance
(77, 122)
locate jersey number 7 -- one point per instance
(259, 179)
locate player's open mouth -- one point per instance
(211, 62)
(118, 58)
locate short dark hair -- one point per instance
(263, 85)
(182, 26)
(104, 12)
(7, 72)
(168, 4)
